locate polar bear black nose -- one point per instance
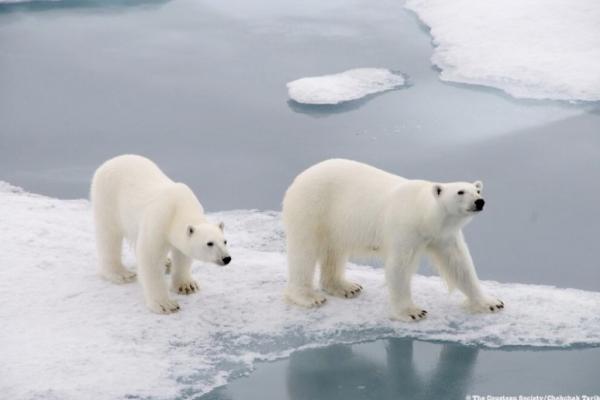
(479, 204)
(226, 260)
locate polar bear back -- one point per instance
(125, 185)
(341, 199)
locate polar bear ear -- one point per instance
(437, 190)
(221, 225)
(190, 230)
(478, 184)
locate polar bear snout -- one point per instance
(226, 260)
(479, 203)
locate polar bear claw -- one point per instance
(345, 289)
(187, 287)
(410, 314)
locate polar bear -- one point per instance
(341, 208)
(133, 199)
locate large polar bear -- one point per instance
(341, 208)
(133, 199)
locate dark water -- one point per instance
(398, 369)
(199, 87)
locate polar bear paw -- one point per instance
(187, 287)
(410, 314)
(305, 297)
(119, 276)
(165, 306)
(344, 289)
(486, 305)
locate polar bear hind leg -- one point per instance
(302, 261)
(333, 279)
(399, 270)
(110, 241)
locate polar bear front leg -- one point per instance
(455, 265)
(181, 277)
(399, 270)
(151, 251)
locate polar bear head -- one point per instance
(460, 198)
(205, 242)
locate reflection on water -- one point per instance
(337, 372)
(326, 110)
(402, 368)
(342, 372)
(453, 374)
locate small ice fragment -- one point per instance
(344, 86)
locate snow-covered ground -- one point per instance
(540, 49)
(67, 334)
(344, 86)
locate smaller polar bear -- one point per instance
(340, 208)
(133, 199)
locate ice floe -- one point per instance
(540, 49)
(67, 334)
(345, 86)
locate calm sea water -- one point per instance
(402, 368)
(199, 87)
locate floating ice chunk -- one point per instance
(344, 86)
(66, 333)
(540, 49)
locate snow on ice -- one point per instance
(67, 334)
(539, 49)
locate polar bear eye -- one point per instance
(479, 192)
(210, 244)
(225, 242)
(461, 192)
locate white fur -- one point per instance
(340, 208)
(134, 200)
